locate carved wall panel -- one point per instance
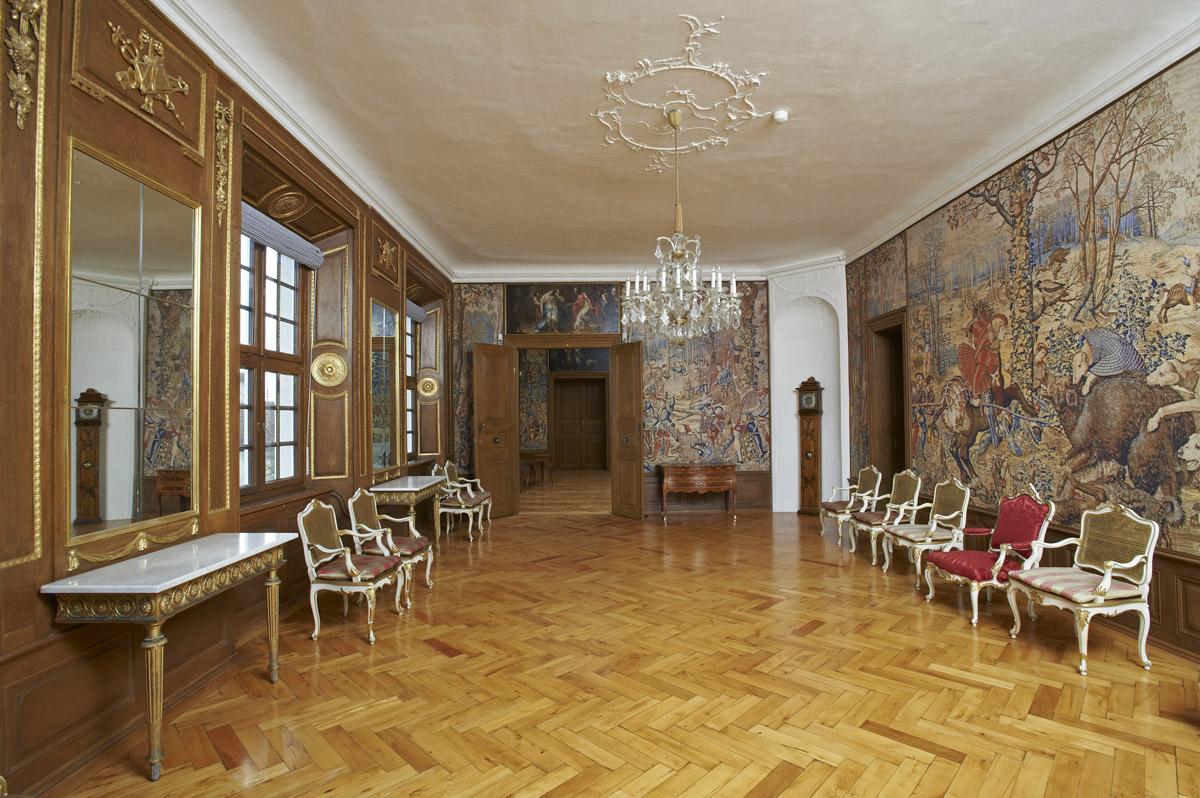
(385, 255)
(329, 435)
(279, 196)
(118, 55)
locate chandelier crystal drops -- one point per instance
(676, 303)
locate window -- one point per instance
(270, 441)
(412, 340)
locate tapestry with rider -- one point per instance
(1053, 313)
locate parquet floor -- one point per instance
(574, 492)
(597, 656)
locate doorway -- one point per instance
(887, 394)
(580, 423)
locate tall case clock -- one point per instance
(808, 408)
(87, 456)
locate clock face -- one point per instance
(89, 412)
(808, 401)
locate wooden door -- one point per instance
(580, 424)
(888, 395)
(625, 400)
(497, 438)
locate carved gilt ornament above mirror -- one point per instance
(714, 100)
(147, 73)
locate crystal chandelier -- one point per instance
(677, 304)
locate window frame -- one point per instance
(412, 334)
(260, 361)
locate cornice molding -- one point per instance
(233, 65)
(1138, 71)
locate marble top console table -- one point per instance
(411, 491)
(150, 589)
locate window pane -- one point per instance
(271, 339)
(244, 468)
(244, 437)
(287, 462)
(287, 390)
(246, 287)
(287, 303)
(271, 298)
(270, 389)
(287, 425)
(271, 261)
(271, 469)
(270, 427)
(244, 387)
(287, 270)
(244, 325)
(287, 337)
(247, 249)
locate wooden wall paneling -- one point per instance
(385, 276)
(331, 379)
(431, 382)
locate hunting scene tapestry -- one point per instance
(478, 318)
(1053, 312)
(562, 308)
(875, 285)
(532, 392)
(708, 400)
(167, 419)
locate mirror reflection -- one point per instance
(385, 376)
(132, 330)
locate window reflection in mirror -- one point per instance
(385, 377)
(132, 265)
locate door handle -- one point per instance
(625, 439)
(808, 455)
(496, 439)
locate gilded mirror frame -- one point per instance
(177, 521)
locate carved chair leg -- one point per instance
(974, 603)
(345, 605)
(371, 616)
(1031, 610)
(916, 558)
(471, 527)
(929, 581)
(821, 522)
(1082, 620)
(399, 591)
(312, 600)
(887, 553)
(428, 567)
(853, 538)
(1143, 632)
(874, 546)
(1016, 612)
(489, 514)
(408, 584)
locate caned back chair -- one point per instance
(412, 548)
(859, 495)
(333, 567)
(901, 506)
(462, 496)
(942, 529)
(1110, 574)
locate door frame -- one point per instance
(876, 325)
(551, 379)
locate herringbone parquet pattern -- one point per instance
(598, 656)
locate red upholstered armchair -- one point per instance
(1020, 524)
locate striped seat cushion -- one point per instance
(369, 567)
(918, 532)
(410, 546)
(1074, 584)
(461, 499)
(868, 518)
(835, 507)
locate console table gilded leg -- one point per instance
(273, 625)
(437, 521)
(153, 643)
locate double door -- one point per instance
(580, 424)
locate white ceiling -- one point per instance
(469, 123)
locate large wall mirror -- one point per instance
(133, 349)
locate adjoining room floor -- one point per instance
(585, 655)
(574, 492)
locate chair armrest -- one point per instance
(840, 489)
(1110, 566)
(947, 516)
(382, 536)
(974, 531)
(883, 496)
(924, 506)
(344, 551)
(412, 529)
(1005, 550)
(1041, 544)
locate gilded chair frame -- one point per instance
(861, 495)
(316, 555)
(453, 489)
(942, 530)
(366, 519)
(898, 507)
(1140, 567)
(1003, 552)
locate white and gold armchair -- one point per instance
(901, 506)
(415, 548)
(1113, 565)
(861, 495)
(332, 566)
(942, 530)
(463, 497)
